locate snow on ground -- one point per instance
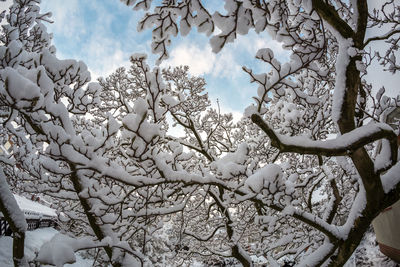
(33, 241)
(368, 254)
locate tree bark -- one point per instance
(376, 198)
(90, 216)
(15, 219)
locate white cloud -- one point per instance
(107, 63)
(200, 60)
(236, 114)
(104, 54)
(93, 43)
(252, 42)
(225, 67)
(68, 18)
(226, 64)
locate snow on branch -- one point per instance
(342, 145)
(9, 206)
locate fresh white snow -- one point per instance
(33, 242)
(33, 209)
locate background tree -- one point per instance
(23, 31)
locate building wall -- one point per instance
(387, 230)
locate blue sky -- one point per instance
(103, 34)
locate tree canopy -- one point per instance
(298, 179)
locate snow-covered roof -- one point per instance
(33, 209)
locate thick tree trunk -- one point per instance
(15, 219)
(236, 254)
(90, 216)
(377, 200)
(361, 225)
